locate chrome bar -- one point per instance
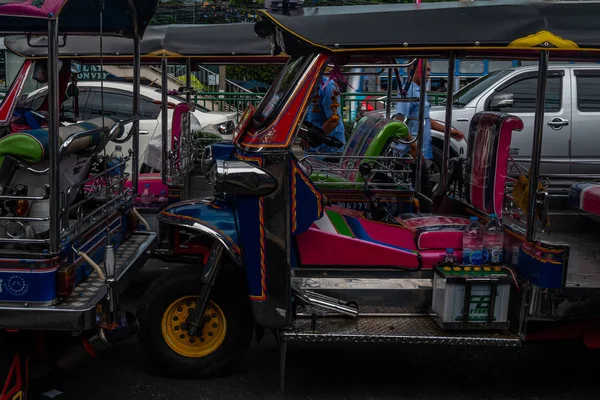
(447, 124)
(374, 65)
(423, 95)
(8, 197)
(24, 241)
(165, 119)
(53, 138)
(388, 103)
(135, 164)
(188, 98)
(534, 173)
(188, 79)
(122, 123)
(37, 219)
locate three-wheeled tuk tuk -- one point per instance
(162, 45)
(65, 255)
(282, 258)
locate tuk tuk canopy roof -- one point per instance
(76, 16)
(219, 41)
(478, 25)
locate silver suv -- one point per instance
(571, 140)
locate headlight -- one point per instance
(242, 179)
(226, 128)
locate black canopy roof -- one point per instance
(76, 16)
(172, 41)
(493, 24)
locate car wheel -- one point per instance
(435, 166)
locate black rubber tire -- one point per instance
(438, 158)
(229, 294)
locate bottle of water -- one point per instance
(162, 199)
(494, 240)
(473, 243)
(147, 197)
(450, 257)
(116, 175)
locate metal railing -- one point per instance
(236, 101)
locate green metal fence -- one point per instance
(238, 102)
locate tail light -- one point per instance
(22, 208)
(66, 279)
(170, 105)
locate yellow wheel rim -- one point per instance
(206, 341)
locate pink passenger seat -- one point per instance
(346, 238)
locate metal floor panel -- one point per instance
(392, 330)
(78, 311)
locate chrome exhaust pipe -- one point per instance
(102, 341)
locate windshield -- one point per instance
(465, 95)
(279, 91)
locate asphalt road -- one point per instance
(565, 371)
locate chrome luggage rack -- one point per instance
(384, 173)
(76, 213)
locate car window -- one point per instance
(469, 92)
(149, 109)
(588, 92)
(68, 106)
(116, 105)
(524, 94)
(119, 105)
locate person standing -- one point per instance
(324, 113)
(410, 111)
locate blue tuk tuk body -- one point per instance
(269, 251)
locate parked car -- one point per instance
(118, 104)
(570, 143)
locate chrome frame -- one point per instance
(447, 124)
(164, 119)
(53, 135)
(534, 173)
(423, 94)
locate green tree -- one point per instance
(261, 73)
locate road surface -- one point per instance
(566, 371)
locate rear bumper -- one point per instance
(78, 311)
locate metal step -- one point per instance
(391, 330)
(321, 304)
(412, 294)
(78, 311)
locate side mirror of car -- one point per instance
(502, 100)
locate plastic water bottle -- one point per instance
(162, 199)
(450, 257)
(494, 240)
(115, 175)
(473, 243)
(147, 197)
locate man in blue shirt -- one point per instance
(411, 112)
(324, 113)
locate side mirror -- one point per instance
(502, 100)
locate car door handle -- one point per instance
(557, 123)
(462, 119)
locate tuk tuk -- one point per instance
(182, 45)
(66, 256)
(273, 253)
(177, 170)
